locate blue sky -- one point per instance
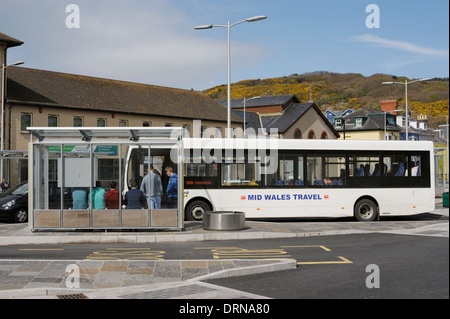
(154, 41)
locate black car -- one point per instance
(14, 203)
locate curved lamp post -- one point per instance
(406, 98)
(228, 27)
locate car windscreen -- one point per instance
(19, 189)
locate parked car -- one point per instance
(14, 202)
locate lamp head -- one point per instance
(257, 18)
(203, 27)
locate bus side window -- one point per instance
(414, 165)
(395, 165)
(314, 170)
(334, 170)
(241, 174)
(364, 166)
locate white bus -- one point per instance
(299, 178)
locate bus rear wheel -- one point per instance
(366, 210)
(196, 209)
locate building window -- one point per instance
(168, 124)
(358, 122)
(101, 122)
(311, 135)
(25, 121)
(123, 123)
(52, 121)
(297, 134)
(324, 135)
(146, 124)
(77, 121)
(338, 123)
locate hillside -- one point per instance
(341, 91)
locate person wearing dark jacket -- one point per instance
(134, 198)
(172, 188)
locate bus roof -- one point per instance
(287, 144)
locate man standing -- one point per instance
(172, 188)
(151, 186)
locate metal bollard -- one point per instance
(223, 220)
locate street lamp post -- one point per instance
(228, 27)
(406, 98)
(3, 111)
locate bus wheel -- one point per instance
(366, 210)
(196, 209)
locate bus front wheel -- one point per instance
(366, 210)
(196, 209)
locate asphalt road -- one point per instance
(345, 266)
(406, 266)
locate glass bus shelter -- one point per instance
(72, 169)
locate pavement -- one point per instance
(172, 279)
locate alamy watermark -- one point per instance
(73, 19)
(373, 19)
(261, 146)
(73, 279)
(373, 279)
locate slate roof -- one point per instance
(54, 89)
(288, 118)
(261, 101)
(282, 121)
(10, 41)
(251, 118)
(373, 120)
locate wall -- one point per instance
(310, 121)
(19, 140)
(368, 135)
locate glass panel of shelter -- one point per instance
(76, 170)
(47, 189)
(151, 184)
(105, 199)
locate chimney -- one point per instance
(389, 105)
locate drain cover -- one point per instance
(72, 296)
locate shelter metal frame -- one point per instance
(152, 137)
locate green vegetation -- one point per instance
(341, 91)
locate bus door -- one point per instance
(152, 167)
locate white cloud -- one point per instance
(148, 41)
(400, 45)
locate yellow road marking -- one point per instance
(127, 254)
(343, 260)
(308, 246)
(236, 252)
(42, 249)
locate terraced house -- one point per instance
(41, 98)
